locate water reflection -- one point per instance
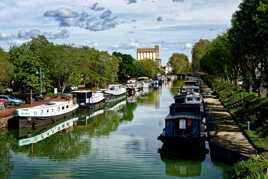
(5, 164)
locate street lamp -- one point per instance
(41, 84)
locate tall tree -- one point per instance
(6, 69)
(127, 66)
(147, 68)
(179, 63)
(249, 38)
(199, 50)
(220, 60)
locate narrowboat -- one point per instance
(57, 107)
(184, 126)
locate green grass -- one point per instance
(254, 168)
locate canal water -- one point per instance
(119, 141)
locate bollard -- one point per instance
(248, 125)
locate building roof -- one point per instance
(146, 49)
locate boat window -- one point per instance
(47, 110)
(49, 103)
(189, 99)
(58, 108)
(62, 107)
(183, 124)
(197, 99)
(67, 106)
(52, 110)
(196, 90)
(42, 111)
(81, 95)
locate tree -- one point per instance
(199, 50)
(27, 61)
(127, 66)
(249, 37)
(147, 68)
(179, 63)
(6, 69)
(220, 60)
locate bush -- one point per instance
(249, 169)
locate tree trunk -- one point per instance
(263, 90)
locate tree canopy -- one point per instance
(6, 69)
(62, 65)
(199, 50)
(179, 63)
(242, 52)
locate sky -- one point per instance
(116, 25)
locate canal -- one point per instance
(119, 141)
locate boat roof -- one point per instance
(191, 81)
(81, 91)
(195, 87)
(44, 106)
(143, 78)
(187, 95)
(192, 116)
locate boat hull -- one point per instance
(112, 98)
(96, 105)
(27, 122)
(184, 142)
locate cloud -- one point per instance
(177, 0)
(125, 46)
(63, 34)
(23, 36)
(188, 46)
(106, 14)
(159, 19)
(61, 13)
(69, 18)
(132, 1)
(4, 36)
(65, 16)
(96, 7)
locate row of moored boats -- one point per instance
(63, 105)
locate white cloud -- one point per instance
(189, 45)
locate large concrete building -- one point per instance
(149, 53)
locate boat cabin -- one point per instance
(188, 99)
(83, 96)
(191, 83)
(189, 90)
(183, 125)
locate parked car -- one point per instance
(3, 102)
(11, 100)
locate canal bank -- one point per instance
(227, 142)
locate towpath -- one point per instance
(223, 131)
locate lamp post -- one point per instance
(41, 85)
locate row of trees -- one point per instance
(242, 52)
(64, 66)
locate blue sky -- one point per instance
(116, 25)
